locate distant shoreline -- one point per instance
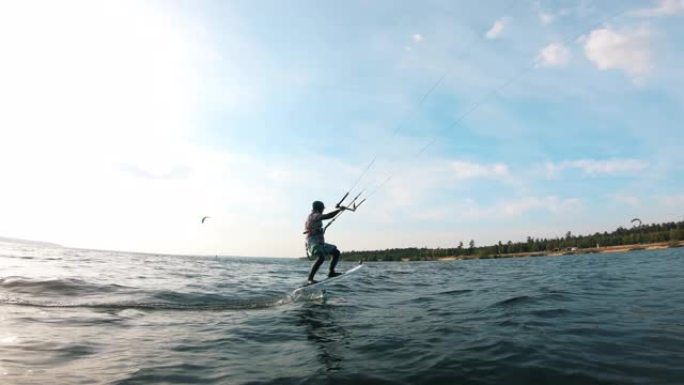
(28, 242)
(572, 251)
(555, 253)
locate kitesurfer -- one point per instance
(315, 241)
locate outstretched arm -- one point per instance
(331, 214)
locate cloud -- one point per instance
(594, 167)
(497, 28)
(629, 200)
(116, 133)
(416, 184)
(546, 18)
(417, 38)
(469, 209)
(676, 201)
(469, 170)
(167, 172)
(663, 8)
(548, 203)
(628, 51)
(517, 207)
(553, 55)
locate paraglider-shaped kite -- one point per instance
(204, 219)
(637, 221)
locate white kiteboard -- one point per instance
(327, 280)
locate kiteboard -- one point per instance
(327, 280)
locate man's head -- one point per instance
(318, 206)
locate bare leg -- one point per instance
(316, 265)
(335, 257)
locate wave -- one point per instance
(78, 293)
(515, 300)
(552, 298)
(55, 287)
(455, 291)
(226, 304)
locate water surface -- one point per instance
(94, 317)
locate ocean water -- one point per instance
(93, 317)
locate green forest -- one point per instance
(671, 232)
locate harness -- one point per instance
(312, 231)
(319, 230)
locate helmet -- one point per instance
(318, 206)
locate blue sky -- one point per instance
(124, 123)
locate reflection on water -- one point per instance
(328, 337)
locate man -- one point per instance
(315, 241)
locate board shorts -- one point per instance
(313, 250)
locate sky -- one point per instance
(123, 123)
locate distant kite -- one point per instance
(637, 220)
(204, 219)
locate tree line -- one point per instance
(644, 234)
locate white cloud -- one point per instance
(517, 207)
(629, 200)
(663, 8)
(553, 55)
(546, 18)
(497, 28)
(415, 183)
(469, 209)
(628, 51)
(417, 38)
(469, 170)
(598, 167)
(676, 201)
(548, 203)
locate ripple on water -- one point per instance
(131, 319)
